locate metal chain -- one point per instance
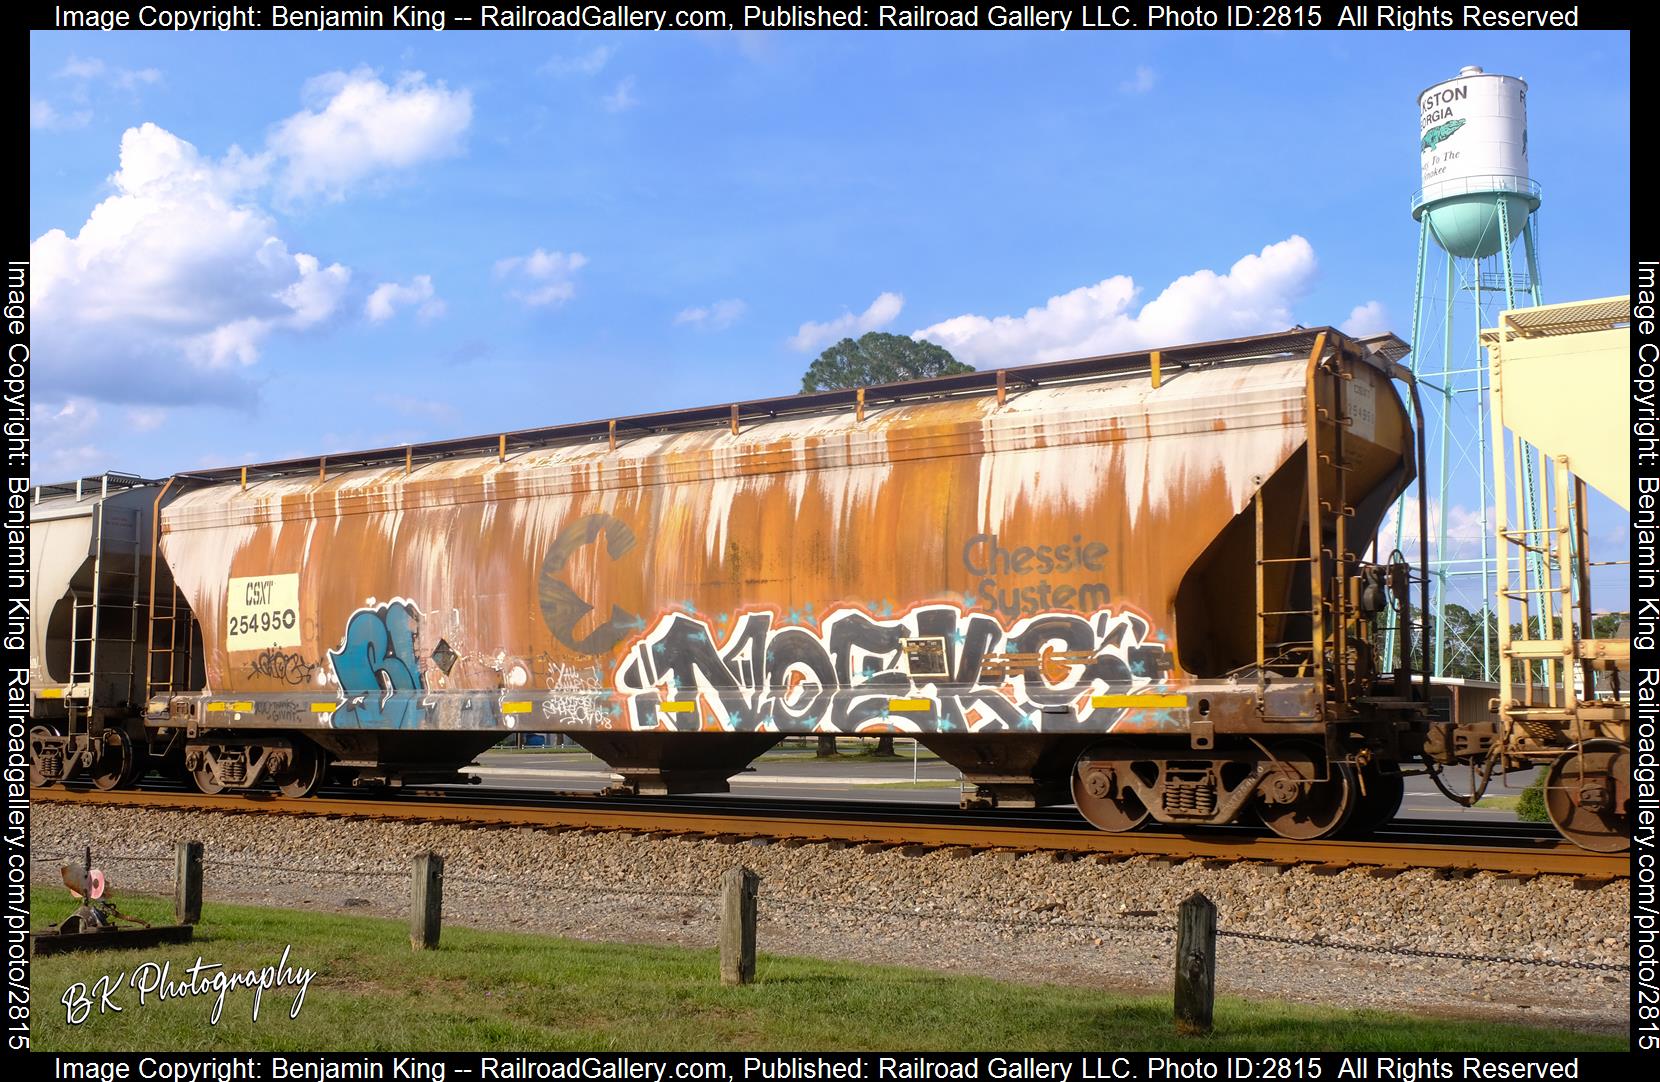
(1414, 952)
(528, 884)
(532, 884)
(1015, 922)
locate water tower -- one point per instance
(1476, 202)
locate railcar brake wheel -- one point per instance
(303, 774)
(1105, 801)
(1380, 803)
(1305, 797)
(1581, 796)
(117, 764)
(38, 750)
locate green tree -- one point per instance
(878, 358)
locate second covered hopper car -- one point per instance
(1135, 582)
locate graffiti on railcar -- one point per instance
(281, 666)
(562, 607)
(378, 670)
(841, 673)
(576, 694)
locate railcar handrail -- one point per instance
(1280, 345)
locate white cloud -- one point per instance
(359, 125)
(1141, 82)
(622, 98)
(1366, 320)
(176, 281)
(589, 63)
(388, 297)
(173, 282)
(416, 406)
(63, 435)
(146, 420)
(77, 68)
(82, 73)
(882, 311)
(87, 69)
(1254, 296)
(545, 277)
(43, 116)
(715, 317)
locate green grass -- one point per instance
(495, 990)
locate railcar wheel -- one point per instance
(1380, 803)
(42, 749)
(1306, 797)
(1581, 796)
(304, 773)
(205, 780)
(1102, 799)
(118, 761)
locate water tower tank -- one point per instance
(1473, 149)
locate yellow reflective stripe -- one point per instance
(515, 708)
(324, 708)
(51, 693)
(216, 708)
(910, 706)
(1138, 702)
(244, 707)
(678, 707)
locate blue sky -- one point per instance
(380, 238)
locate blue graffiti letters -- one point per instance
(376, 666)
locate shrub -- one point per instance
(1531, 807)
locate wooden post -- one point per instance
(738, 888)
(187, 882)
(1195, 964)
(426, 904)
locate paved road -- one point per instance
(801, 775)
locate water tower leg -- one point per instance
(1530, 245)
(1435, 666)
(1412, 359)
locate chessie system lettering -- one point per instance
(990, 562)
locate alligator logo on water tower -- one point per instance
(1438, 134)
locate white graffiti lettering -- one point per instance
(844, 672)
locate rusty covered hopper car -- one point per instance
(1134, 581)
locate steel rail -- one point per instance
(1542, 858)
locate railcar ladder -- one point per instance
(116, 558)
(171, 640)
(169, 656)
(1326, 514)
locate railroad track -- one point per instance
(1512, 849)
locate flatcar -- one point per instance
(1138, 583)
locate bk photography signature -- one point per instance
(156, 982)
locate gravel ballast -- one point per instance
(1031, 918)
